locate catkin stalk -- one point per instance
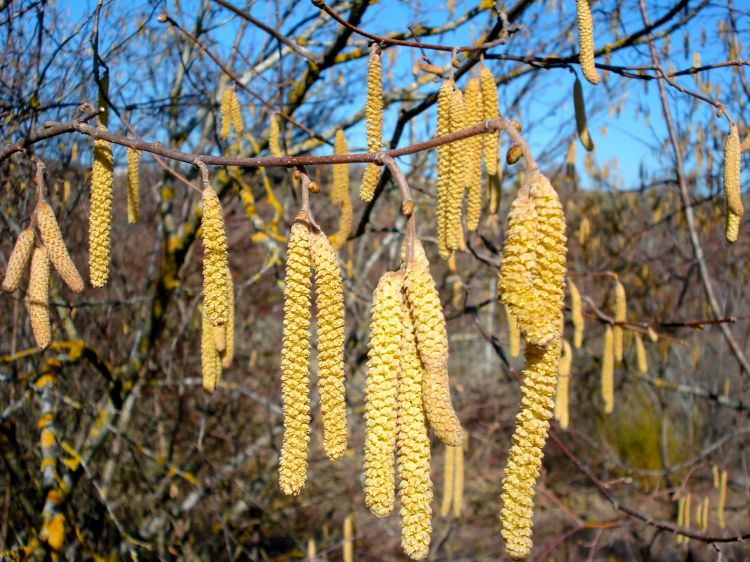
(38, 298)
(525, 456)
(448, 478)
(100, 218)
(215, 259)
(413, 460)
(608, 371)
(295, 357)
(474, 115)
(581, 123)
(55, 246)
(491, 111)
(330, 323)
(381, 393)
(134, 202)
(586, 41)
(432, 341)
(18, 260)
(576, 313)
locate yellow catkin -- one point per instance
(311, 550)
(348, 545)
(722, 499)
(563, 386)
(369, 182)
(732, 171)
(621, 312)
(525, 456)
(686, 521)
(491, 111)
(581, 123)
(586, 41)
(514, 333)
(274, 136)
(458, 485)
(134, 201)
(459, 163)
(532, 272)
(295, 359)
(680, 517)
(210, 359)
(432, 339)
(640, 351)
(18, 260)
(340, 194)
(413, 459)
(444, 166)
(215, 259)
(228, 354)
(381, 393)
(235, 112)
(584, 231)
(374, 107)
(226, 113)
(608, 371)
(576, 314)
(715, 475)
(474, 115)
(100, 218)
(55, 246)
(732, 230)
(704, 518)
(38, 298)
(329, 292)
(449, 464)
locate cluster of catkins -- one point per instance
(49, 249)
(310, 252)
(407, 390)
(531, 285)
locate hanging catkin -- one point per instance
(458, 485)
(55, 246)
(134, 203)
(295, 357)
(210, 360)
(584, 230)
(274, 136)
(215, 259)
(459, 162)
(348, 539)
(525, 456)
(641, 353)
(734, 207)
(608, 371)
(236, 114)
(581, 123)
(226, 113)
(445, 167)
(563, 386)
(381, 393)
(621, 312)
(532, 272)
(228, 354)
(474, 115)
(38, 298)
(449, 464)
(373, 122)
(18, 260)
(340, 194)
(586, 41)
(576, 315)
(432, 341)
(100, 217)
(722, 499)
(413, 459)
(491, 111)
(514, 334)
(329, 294)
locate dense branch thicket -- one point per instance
(335, 280)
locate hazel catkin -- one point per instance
(608, 370)
(620, 316)
(374, 107)
(340, 194)
(215, 259)
(55, 246)
(563, 386)
(381, 392)
(432, 341)
(228, 354)
(514, 334)
(445, 167)
(491, 111)
(413, 459)
(226, 113)
(586, 41)
(525, 456)
(732, 193)
(369, 181)
(274, 135)
(134, 202)
(474, 115)
(38, 298)
(100, 217)
(581, 122)
(330, 324)
(449, 456)
(18, 260)
(576, 314)
(295, 360)
(210, 359)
